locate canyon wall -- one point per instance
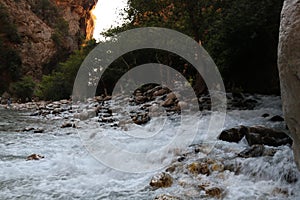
(49, 30)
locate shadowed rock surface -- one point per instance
(289, 69)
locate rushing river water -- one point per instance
(69, 171)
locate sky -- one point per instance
(107, 15)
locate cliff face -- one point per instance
(78, 14)
(47, 29)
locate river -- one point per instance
(70, 171)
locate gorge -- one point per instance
(46, 32)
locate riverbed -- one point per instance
(72, 171)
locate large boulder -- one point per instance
(289, 69)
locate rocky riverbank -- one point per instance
(254, 148)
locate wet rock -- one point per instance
(106, 119)
(140, 99)
(171, 169)
(267, 136)
(140, 119)
(290, 176)
(36, 113)
(86, 114)
(199, 168)
(170, 100)
(253, 151)
(166, 197)
(68, 125)
(276, 118)
(280, 191)
(98, 98)
(34, 157)
(214, 192)
(265, 115)
(269, 152)
(219, 167)
(57, 111)
(168, 103)
(233, 134)
(39, 130)
(107, 98)
(181, 158)
(161, 92)
(182, 105)
(233, 166)
(64, 101)
(161, 180)
(27, 129)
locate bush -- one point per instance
(59, 84)
(52, 87)
(23, 89)
(8, 28)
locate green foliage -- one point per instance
(23, 89)
(240, 35)
(8, 28)
(52, 87)
(10, 61)
(59, 84)
(243, 43)
(10, 65)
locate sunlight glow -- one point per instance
(107, 13)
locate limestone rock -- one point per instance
(199, 168)
(166, 197)
(214, 192)
(37, 46)
(161, 180)
(289, 69)
(34, 157)
(276, 118)
(267, 136)
(253, 151)
(233, 134)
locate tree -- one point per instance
(240, 35)
(23, 89)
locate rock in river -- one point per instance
(233, 134)
(161, 180)
(34, 157)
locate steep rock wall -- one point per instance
(40, 26)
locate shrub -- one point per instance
(23, 89)
(52, 87)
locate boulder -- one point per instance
(214, 192)
(161, 180)
(253, 151)
(39, 130)
(233, 134)
(34, 157)
(257, 150)
(140, 119)
(67, 125)
(267, 136)
(199, 168)
(289, 70)
(276, 118)
(265, 115)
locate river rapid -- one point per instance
(70, 171)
